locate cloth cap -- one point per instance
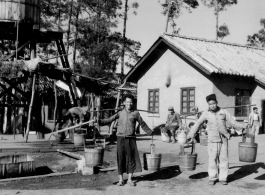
(170, 108)
(211, 97)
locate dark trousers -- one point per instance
(170, 131)
(128, 159)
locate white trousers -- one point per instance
(255, 128)
(218, 160)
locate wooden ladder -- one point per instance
(65, 64)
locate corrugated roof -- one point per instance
(221, 57)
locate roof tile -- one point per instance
(221, 57)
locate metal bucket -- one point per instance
(94, 156)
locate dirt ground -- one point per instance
(244, 178)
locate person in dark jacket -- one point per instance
(172, 124)
(128, 159)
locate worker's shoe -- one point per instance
(174, 141)
(223, 182)
(211, 182)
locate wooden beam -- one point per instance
(14, 53)
(14, 85)
(76, 156)
(38, 176)
(9, 91)
(13, 105)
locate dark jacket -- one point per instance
(127, 122)
(173, 119)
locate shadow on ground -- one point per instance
(44, 170)
(162, 174)
(200, 175)
(246, 170)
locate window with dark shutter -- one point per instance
(187, 100)
(153, 100)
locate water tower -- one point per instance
(20, 23)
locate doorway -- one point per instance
(262, 131)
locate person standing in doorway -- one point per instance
(254, 120)
(172, 124)
(128, 159)
(218, 137)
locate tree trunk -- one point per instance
(69, 28)
(59, 25)
(2, 114)
(76, 32)
(124, 37)
(217, 19)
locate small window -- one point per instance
(187, 100)
(242, 97)
(153, 100)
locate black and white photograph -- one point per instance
(132, 97)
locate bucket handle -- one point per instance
(192, 146)
(247, 135)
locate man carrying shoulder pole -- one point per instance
(218, 137)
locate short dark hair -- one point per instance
(255, 108)
(130, 96)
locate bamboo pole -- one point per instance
(250, 105)
(72, 127)
(30, 107)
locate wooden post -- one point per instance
(30, 107)
(32, 56)
(55, 107)
(98, 108)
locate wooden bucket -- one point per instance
(152, 162)
(187, 161)
(94, 156)
(204, 140)
(247, 150)
(79, 140)
(16, 166)
(60, 137)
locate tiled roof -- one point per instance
(221, 57)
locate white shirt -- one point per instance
(256, 117)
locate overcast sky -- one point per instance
(243, 19)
